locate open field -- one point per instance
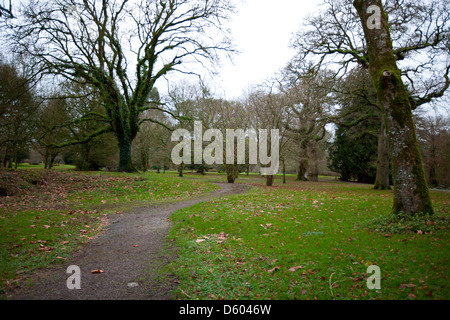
(298, 240)
(309, 241)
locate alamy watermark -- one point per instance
(234, 140)
(74, 281)
(374, 21)
(374, 281)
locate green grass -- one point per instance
(118, 188)
(50, 213)
(298, 240)
(243, 247)
(41, 166)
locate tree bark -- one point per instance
(52, 159)
(301, 171)
(313, 169)
(180, 169)
(382, 177)
(269, 180)
(411, 193)
(125, 155)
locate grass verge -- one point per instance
(308, 241)
(47, 214)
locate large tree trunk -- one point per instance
(382, 177)
(125, 155)
(313, 168)
(411, 194)
(269, 180)
(301, 174)
(125, 127)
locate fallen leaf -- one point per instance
(135, 245)
(97, 271)
(199, 240)
(222, 236)
(293, 269)
(273, 269)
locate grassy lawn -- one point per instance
(309, 241)
(47, 214)
(298, 240)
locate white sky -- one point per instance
(261, 30)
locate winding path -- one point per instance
(130, 251)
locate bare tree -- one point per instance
(6, 11)
(18, 109)
(433, 133)
(411, 194)
(48, 133)
(334, 38)
(152, 144)
(308, 106)
(419, 30)
(121, 48)
(267, 110)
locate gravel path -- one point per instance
(130, 252)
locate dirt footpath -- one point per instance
(130, 251)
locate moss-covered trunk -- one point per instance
(125, 127)
(411, 194)
(382, 177)
(125, 164)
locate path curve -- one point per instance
(130, 251)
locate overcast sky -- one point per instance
(262, 30)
